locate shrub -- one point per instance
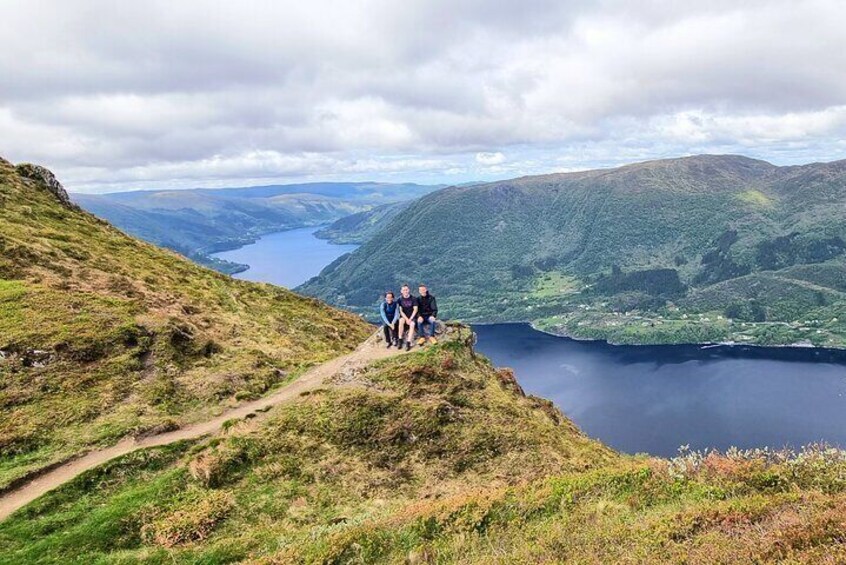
(194, 521)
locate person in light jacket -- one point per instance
(389, 311)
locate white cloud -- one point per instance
(115, 94)
(496, 158)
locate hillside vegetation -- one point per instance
(433, 457)
(361, 227)
(102, 335)
(697, 249)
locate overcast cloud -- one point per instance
(119, 95)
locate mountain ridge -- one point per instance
(641, 238)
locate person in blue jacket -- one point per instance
(389, 311)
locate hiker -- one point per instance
(408, 313)
(389, 311)
(427, 315)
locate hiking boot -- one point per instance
(421, 342)
(433, 341)
(408, 346)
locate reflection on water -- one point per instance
(655, 398)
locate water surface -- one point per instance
(288, 258)
(655, 398)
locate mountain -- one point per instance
(104, 336)
(362, 226)
(697, 249)
(197, 222)
(432, 456)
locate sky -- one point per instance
(164, 94)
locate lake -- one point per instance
(654, 399)
(288, 258)
(635, 398)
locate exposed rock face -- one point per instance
(46, 178)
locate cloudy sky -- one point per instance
(119, 95)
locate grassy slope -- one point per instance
(433, 457)
(103, 335)
(493, 252)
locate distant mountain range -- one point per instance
(697, 249)
(198, 222)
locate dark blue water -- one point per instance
(654, 399)
(287, 258)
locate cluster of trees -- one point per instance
(793, 249)
(655, 282)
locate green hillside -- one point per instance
(102, 336)
(706, 248)
(360, 227)
(433, 457)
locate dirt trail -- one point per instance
(371, 350)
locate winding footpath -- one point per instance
(373, 349)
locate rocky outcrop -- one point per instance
(47, 180)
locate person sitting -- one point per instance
(408, 312)
(389, 311)
(427, 316)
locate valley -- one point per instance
(199, 223)
(434, 455)
(703, 249)
(622, 226)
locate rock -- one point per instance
(47, 179)
(547, 407)
(446, 413)
(509, 381)
(36, 358)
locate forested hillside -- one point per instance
(361, 227)
(696, 249)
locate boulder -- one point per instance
(47, 180)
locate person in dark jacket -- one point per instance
(427, 316)
(408, 314)
(390, 314)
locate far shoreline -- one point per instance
(809, 352)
